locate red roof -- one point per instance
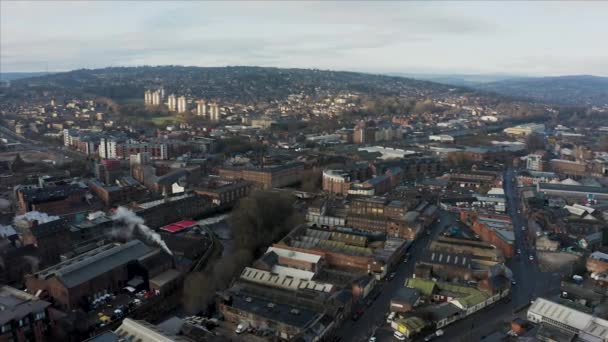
(178, 226)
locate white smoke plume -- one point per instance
(36, 216)
(213, 220)
(136, 223)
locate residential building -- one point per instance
(172, 102)
(201, 108)
(182, 104)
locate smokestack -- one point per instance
(136, 223)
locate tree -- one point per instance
(312, 181)
(535, 142)
(257, 221)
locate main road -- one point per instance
(530, 283)
(374, 316)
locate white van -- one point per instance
(241, 328)
(390, 318)
(399, 336)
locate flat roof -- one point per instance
(279, 312)
(290, 254)
(178, 226)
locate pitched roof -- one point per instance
(89, 265)
(425, 286)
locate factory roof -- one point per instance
(87, 266)
(54, 193)
(290, 254)
(572, 188)
(452, 259)
(279, 312)
(16, 304)
(578, 320)
(178, 226)
(283, 281)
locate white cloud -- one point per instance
(370, 36)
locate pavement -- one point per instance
(530, 284)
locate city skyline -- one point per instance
(413, 37)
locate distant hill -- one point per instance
(11, 76)
(567, 90)
(467, 80)
(243, 84)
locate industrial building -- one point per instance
(75, 282)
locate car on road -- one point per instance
(391, 276)
(523, 228)
(399, 336)
(513, 282)
(372, 339)
(390, 318)
(518, 251)
(531, 258)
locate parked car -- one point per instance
(241, 328)
(392, 276)
(399, 336)
(390, 318)
(531, 258)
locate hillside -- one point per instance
(565, 90)
(243, 84)
(11, 76)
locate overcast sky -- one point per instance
(530, 38)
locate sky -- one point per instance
(470, 37)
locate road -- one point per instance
(530, 283)
(374, 316)
(40, 146)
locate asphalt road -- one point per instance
(374, 316)
(530, 284)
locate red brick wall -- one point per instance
(594, 265)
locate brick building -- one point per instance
(494, 229)
(568, 167)
(55, 200)
(126, 190)
(23, 316)
(51, 238)
(72, 283)
(225, 192)
(267, 177)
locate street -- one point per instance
(530, 283)
(374, 316)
